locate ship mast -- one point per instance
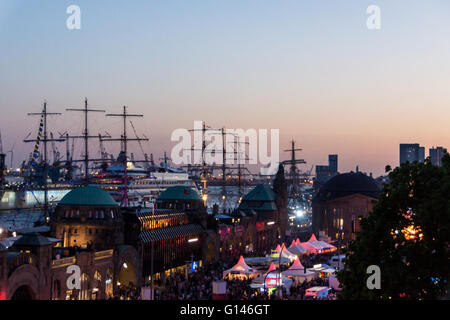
(223, 167)
(124, 139)
(85, 136)
(44, 114)
(293, 170)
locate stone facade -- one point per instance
(36, 276)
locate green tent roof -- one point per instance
(88, 196)
(179, 193)
(261, 192)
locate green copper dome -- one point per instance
(179, 193)
(261, 192)
(88, 196)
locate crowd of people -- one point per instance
(198, 285)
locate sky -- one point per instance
(311, 69)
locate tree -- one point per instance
(406, 235)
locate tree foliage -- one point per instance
(406, 235)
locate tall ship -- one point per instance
(47, 176)
(143, 186)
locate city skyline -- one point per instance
(314, 71)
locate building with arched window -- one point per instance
(88, 217)
(38, 267)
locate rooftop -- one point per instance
(179, 193)
(261, 192)
(347, 184)
(88, 196)
(32, 240)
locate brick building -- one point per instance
(89, 223)
(340, 202)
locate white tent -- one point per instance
(323, 269)
(297, 249)
(316, 246)
(270, 279)
(285, 253)
(309, 247)
(240, 270)
(298, 272)
(327, 246)
(322, 244)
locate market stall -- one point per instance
(271, 279)
(297, 249)
(298, 273)
(240, 271)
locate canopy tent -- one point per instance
(327, 246)
(271, 279)
(285, 253)
(317, 246)
(297, 249)
(322, 269)
(240, 270)
(298, 272)
(271, 268)
(297, 265)
(309, 247)
(264, 262)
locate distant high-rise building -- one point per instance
(436, 155)
(333, 162)
(323, 173)
(411, 152)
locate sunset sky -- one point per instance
(309, 68)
